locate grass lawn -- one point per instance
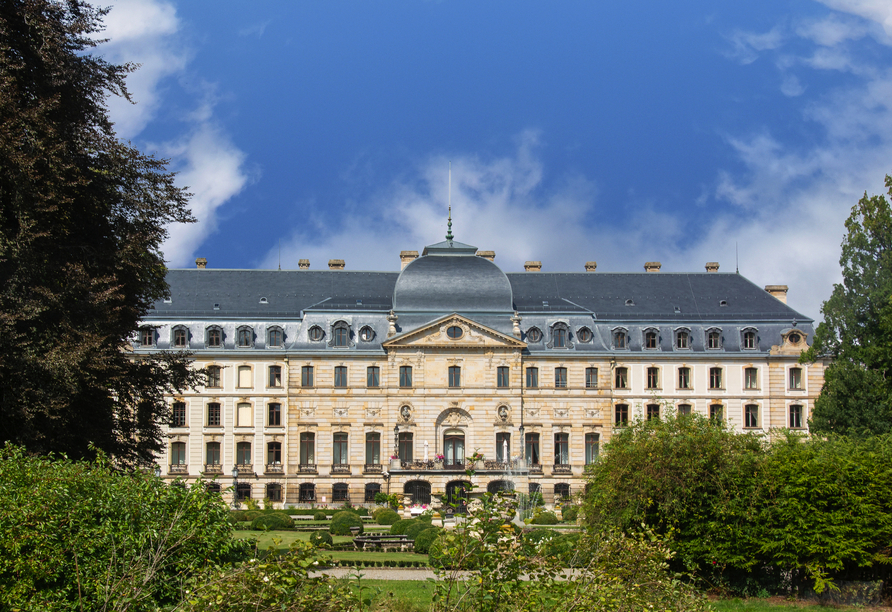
(356, 555)
(265, 539)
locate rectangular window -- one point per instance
(214, 376)
(212, 453)
(531, 448)
(653, 378)
(591, 378)
(622, 378)
(502, 373)
(275, 376)
(795, 416)
(751, 415)
(306, 376)
(560, 378)
(715, 378)
(274, 453)
(243, 453)
(749, 340)
(147, 336)
(650, 340)
(684, 409)
(179, 338)
(243, 416)
(714, 340)
(339, 449)
(592, 447)
(621, 414)
(560, 337)
(372, 377)
(716, 412)
(307, 448)
(178, 453)
(503, 447)
(684, 378)
(681, 340)
(245, 337)
(405, 376)
(653, 412)
(405, 445)
(214, 414)
(215, 338)
(276, 338)
(244, 376)
(562, 449)
(796, 378)
(532, 378)
(178, 415)
(454, 376)
(750, 378)
(274, 411)
(340, 377)
(373, 448)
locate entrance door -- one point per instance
(454, 449)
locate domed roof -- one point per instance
(449, 277)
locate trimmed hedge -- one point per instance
(342, 521)
(388, 517)
(545, 518)
(417, 527)
(400, 527)
(250, 515)
(319, 515)
(272, 521)
(320, 539)
(425, 538)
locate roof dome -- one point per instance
(452, 279)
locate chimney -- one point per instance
(533, 266)
(778, 291)
(407, 257)
(303, 264)
(335, 264)
(712, 266)
(591, 266)
(201, 263)
(490, 255)
(652, 266)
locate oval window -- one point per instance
(795, 338)
(366, 334)
(454, 332)
(584, 334)
(534, 335)
(316, 333)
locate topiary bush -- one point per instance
(250, 515)
(361, 511)
(545, 518)
(321, 539)
(400, 527)
(272, 521)
(342, 521)
(425, 538)
(570, 513)
(319, 515)
(417, 527)
(387, 517)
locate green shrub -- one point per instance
(272, 521)
(400, 527)
(342, 521)
(319, 515)
(425, 538)
(387, 517)
(535, 537)
(321, 539)
(250, 515)
(417, 527)
(570, 513)
(237, 516)
(545, 518)
(361, 511)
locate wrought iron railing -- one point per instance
(307, 468)
(275, 468)
(535, 468)
(373, 468)
(562, 468)
(178, 468)
(340, 468)
(213, 468)
(245, 469)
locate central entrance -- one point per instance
(454, 449)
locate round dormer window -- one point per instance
(534, 335)
(455, 332)
(794, 338)
(366, 334)
(316, 333)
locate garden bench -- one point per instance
(384, 542)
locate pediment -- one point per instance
(474, 335)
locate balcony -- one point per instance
(274, 468)
(373, 468)
(307, 468)
(245, 469)
(340, 468)
(562, 468)
(535, 468)
(178, 468)
(213, 468)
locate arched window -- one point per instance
(275, 337)
(497, 486)
(457, 496)
(750, 341)
(620, 339)
(306, 492)
(180, 337)
(682, 339)
(245, 336)
(371, 489)
(420, 490)
(213, 487)
(714, 339)
(243, 491)
(592, 447)
(340, 492)
(562, 491)
(146, 336)
(454, 449)
(274, 491)
(212, 455)
(214, 338)
(560, 336)
(651, 339)
(340, 335)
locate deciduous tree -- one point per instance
(82, 218)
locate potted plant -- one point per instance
(395, 463)
(438, 461)
(476, 460)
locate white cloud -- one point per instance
(791, 87)
(879, 11)
(746, 46)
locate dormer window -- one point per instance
(146, 336)
(214, 337)
(340, 335)
(560, 336)
(245, 337)
(584, 334)
(534, 335)
(651, 339)
(620, 339)
(180, 337)
(749, 340)
(714, 339)
(275, 337)
(366, 334)
(316, 333)
(682, 339)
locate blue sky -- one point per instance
(577, 130)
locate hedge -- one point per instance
(342, 521)
(321, 538)
(400, 527)
(545, 518)
(272, 521)
(319, 515)
(387, 517)
(425, 538)
(570, 513)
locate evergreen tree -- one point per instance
(82, 217)
(857, 330)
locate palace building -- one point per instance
(318, 377)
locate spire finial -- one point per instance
(449, 231)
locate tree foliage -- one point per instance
(856, 333)
(82, 217)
